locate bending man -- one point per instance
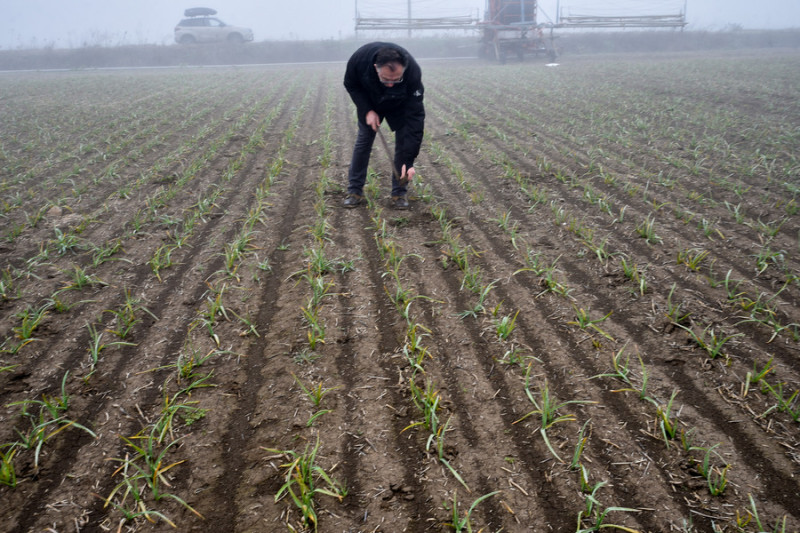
(384, 81)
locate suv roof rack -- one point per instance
(199, 12)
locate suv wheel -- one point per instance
(235, 38)
(187, 39)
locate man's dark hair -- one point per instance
(387, 55)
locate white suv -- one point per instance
(201, 27)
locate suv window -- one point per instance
(206, 29)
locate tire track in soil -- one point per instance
(414, 456)
(643, 250)
(465, 408)
(630, 328)
(242, 426)
(506, 293)
(636, 331)
(395, 460)
(513, 289)
(84, 260)
(405, 492)
(162, 301)
(239, 431)
(639, 206)
(140, 274)
(542, 311)
(103, 190)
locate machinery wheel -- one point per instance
(500, 53)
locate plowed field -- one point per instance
(587, 319)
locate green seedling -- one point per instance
(319, 289)
(463, 524)
(583, 321)
(316, 328)
(427, 401)
(622, 370)
(736, 211)
(592, 510)
(692, 258)
(686, 439)
(732, 287)
(757, 375)
(7, 286)
(30, 319)
(248, 322)
(646, 230)
(43, 427)
(80, 279)
(413, 349)
(784, 405)
(752, 514)
(314, 393)
(547, 408)
(674, 311)
(303, 481)
(709, 341)
(320, 228)
(175, 405)
(438, 438)
(8, 474)
(103, 253)
(188, 361)
(582, 439)
(665, 420)
(717, 479)
(126, 315)
(709, 229)
(145, 469)
(505, 326)
(472, 280)
(65, 242)
(766, 257)
(583, 480)
(161, 260)
(96, 345)
(515, 356)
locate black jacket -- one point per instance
(401, 105)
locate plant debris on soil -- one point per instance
(587, 319)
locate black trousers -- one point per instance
(360, 162)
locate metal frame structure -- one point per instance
(510, 27)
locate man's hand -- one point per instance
(373, 120)
(407, 175)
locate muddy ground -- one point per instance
(626, 208)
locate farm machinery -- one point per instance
(510, 29)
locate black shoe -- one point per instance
(399, 202)
(352, 200)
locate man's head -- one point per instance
(390, 64)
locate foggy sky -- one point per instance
(76, 23)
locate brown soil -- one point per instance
(131, 157)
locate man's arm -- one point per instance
(352, 83)
(414, 126)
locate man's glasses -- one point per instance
(389, 82)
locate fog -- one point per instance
(78, 23)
